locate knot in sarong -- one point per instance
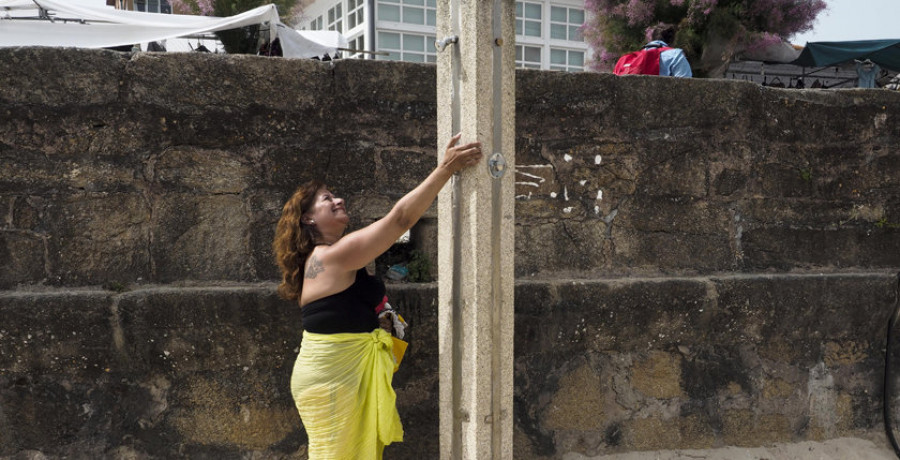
(382, 338)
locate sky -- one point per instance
(854, 20)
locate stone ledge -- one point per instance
(848, 448)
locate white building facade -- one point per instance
(548, 32)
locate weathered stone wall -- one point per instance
(700, 263)
(188, 160)
(660, 176)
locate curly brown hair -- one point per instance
(294, 240)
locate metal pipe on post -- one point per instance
(476, 96)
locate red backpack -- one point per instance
(643, 62)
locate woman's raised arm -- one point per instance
(357, 249)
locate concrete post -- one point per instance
(476, 96)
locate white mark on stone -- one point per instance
(597, 159)
(532, 176)
(582, 182)
(597, 210)
(567, 157)
(529, 184)
(566, 193)
(567, 209)
(552, 194)
(599, 195)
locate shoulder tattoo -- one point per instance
(313, 268)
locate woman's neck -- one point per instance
(327, 241)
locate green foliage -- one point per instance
(723, 21)
(419, 267)
(116, 286)
(884, 223)
(239, 41)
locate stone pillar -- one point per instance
(476, 96)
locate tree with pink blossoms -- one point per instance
(201, 7)
(709, 31)
(223, 8)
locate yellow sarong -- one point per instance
(342, 388)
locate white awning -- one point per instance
(75, 23)
(782, 52)
(310, 43)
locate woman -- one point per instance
(342, 377)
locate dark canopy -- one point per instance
(885, 53)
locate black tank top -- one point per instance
(351, 310)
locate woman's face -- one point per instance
(328, 211)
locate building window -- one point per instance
(336, 18)
(354, 13)
(389, 11)
(528, 19)
(153, 6)
(566, 60)
(418, 12)
(528, 57)
(358, 45)
(565, 23)
(316, 24)
(407, 47)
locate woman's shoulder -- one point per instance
(321, 280)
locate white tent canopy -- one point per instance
(74, 23)
(782, 52)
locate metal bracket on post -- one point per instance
(497, 165)
(442, 43)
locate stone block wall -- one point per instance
(648, 175)
(699, 263)
(693, 363)
(177, 372)
(189, 160)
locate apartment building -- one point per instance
(548, 32)
(147, 6)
